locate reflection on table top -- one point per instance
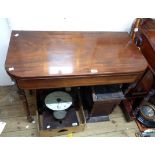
(53, 54)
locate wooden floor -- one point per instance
(12, 112)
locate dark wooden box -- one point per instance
(101, 100)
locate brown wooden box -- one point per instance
(110, 97)
(101, 108)
(101, 100)
(65, 130)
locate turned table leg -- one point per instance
(25, 103)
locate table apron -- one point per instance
(38, 83)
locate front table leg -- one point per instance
(25, 103)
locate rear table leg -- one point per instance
(25, 103)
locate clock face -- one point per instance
(147, 111)
(58, 100)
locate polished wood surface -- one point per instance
(37, 83)
(34, 54)
(146, 41)
(148, 29)
(40, 60)
(135, 26)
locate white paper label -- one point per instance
(48, 127)
(74, 124)
(136, 29)
(94, 71)
(16, 35)
(2, 126)
(11, 69)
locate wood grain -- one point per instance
(146, 41)
(22, 133)
(14, 111)
(38, 60)
(60, 54)
(114, 125)
(38, 83)
(18, 124)
(121, 133)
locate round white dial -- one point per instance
(58, 100)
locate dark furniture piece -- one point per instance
(101, 100)
(145, 38)
(141, 97)
(41, 60)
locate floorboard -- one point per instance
(13, 113)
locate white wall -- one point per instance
(71, 23)
(4, 41)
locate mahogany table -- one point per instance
(41, 60)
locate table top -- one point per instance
(52, 54)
